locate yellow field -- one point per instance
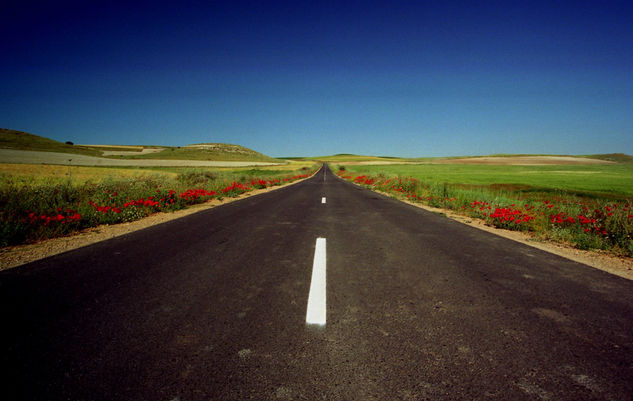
(77, 175)
(290, 165)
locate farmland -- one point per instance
(613, 180)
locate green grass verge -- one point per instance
(590, 207)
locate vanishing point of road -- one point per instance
(213, 306)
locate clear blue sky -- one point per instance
(303, 78)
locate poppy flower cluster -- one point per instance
(508, 214)
(235, 187)
(363, 179)
(62, 217)
(149, 202)
(296, 177)
(502, 216)
(192, 194)
(259, 183)
(588, 224)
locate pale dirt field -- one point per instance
(33, 157)
(524, 160)
(143, 151)
(491, 160)
(21, 254)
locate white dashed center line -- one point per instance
(323, 200)
(316, 299)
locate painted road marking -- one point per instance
(316, 299)
(323, 200)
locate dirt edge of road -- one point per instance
(17, 255)
(619, 266)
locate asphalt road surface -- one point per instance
(213, 307)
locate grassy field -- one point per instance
(614, 180)
(39, 202)
(36, 174)
(589, 206)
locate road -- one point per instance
(213, 307)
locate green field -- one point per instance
(614, 180)
(586, 206)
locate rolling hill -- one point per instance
(18, 140)
(206, 151)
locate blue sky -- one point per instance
(304, 78)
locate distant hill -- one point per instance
(208, 151)
(12, 139)
(613, 157)
(348, 157)
(500, 159)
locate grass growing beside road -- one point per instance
(590, 207)
(606, 181)
(37, 208)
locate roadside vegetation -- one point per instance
(588, 206)
(48, 201)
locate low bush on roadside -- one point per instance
(585, 222)
(31, 212)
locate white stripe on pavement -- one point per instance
(323, 200)
(316, 299)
